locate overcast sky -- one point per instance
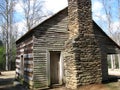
(57, 5)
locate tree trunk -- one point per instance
(119, 60)
(112, 62)
(6, 67)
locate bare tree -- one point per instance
(110, 18)
(6, 17)
(33, 11)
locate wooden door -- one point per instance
(54, 67)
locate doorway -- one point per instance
(22, 66)
(55, 67)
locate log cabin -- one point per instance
(68, 48)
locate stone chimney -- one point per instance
(82, 53)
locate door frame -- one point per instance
(61, 71)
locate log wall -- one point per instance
(25, 50)
(49, 36)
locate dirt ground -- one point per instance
(7, 78)
(115, 72)
(7, 75)
(6, 81)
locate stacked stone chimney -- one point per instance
(82, 52)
